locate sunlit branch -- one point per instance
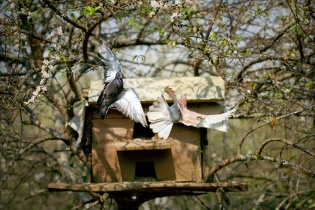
(266, 123)
(242, 158)
(265, 143)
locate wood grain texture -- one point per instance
(149, 186)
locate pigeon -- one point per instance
(162, 116)
(114, 94)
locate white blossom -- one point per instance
(29, 16)
(56, 57)
(12, 5)
(23, 11)
(36, 92)
(23, 36)
(151, 14)
(46, 62)
(49, 36)
(173, 16)
(178, 1)
(45, 74)
(31, 100)
(155, 4)
(59, 30)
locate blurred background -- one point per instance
(263, 50)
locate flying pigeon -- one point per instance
(114, 94)
(162, 117)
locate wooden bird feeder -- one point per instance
(122, 151)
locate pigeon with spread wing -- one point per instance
(162, 117)
(114, 94)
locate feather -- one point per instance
(129, 104)
(160, 118)
(109, 62)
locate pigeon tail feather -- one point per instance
(160, 118)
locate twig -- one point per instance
(262, 125)
(264, 144)
(202, 203)
(64, 17)
(242, 158)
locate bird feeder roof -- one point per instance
(197, 89)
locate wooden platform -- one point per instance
(191, 187)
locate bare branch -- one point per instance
(64, 17)
(264, 124)
(242, 158)
(265, 143)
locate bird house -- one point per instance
(122, 150)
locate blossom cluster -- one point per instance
(156, 4)
(42, 87)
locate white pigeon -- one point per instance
(162, 117)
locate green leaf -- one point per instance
(309, 84)
(162, 32)
(68, 107)
(131, 22)
(214, 35)
(72, 15)
(187, 40)
(89, 11)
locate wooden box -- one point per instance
(125, 151)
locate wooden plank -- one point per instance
(114, 130)
(149, 186)
(208, 89)
(142, 145)
(105, 163)
(185, 144)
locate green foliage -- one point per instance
(131, 22)
(89, 11)
(309, 84)
(160, 30)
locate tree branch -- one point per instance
(64, 17)
(262, 125)
(241, 158)
(265, 143)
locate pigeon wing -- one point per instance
(129, 104)
(109, 62)
(191, 118)
(218, 121)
